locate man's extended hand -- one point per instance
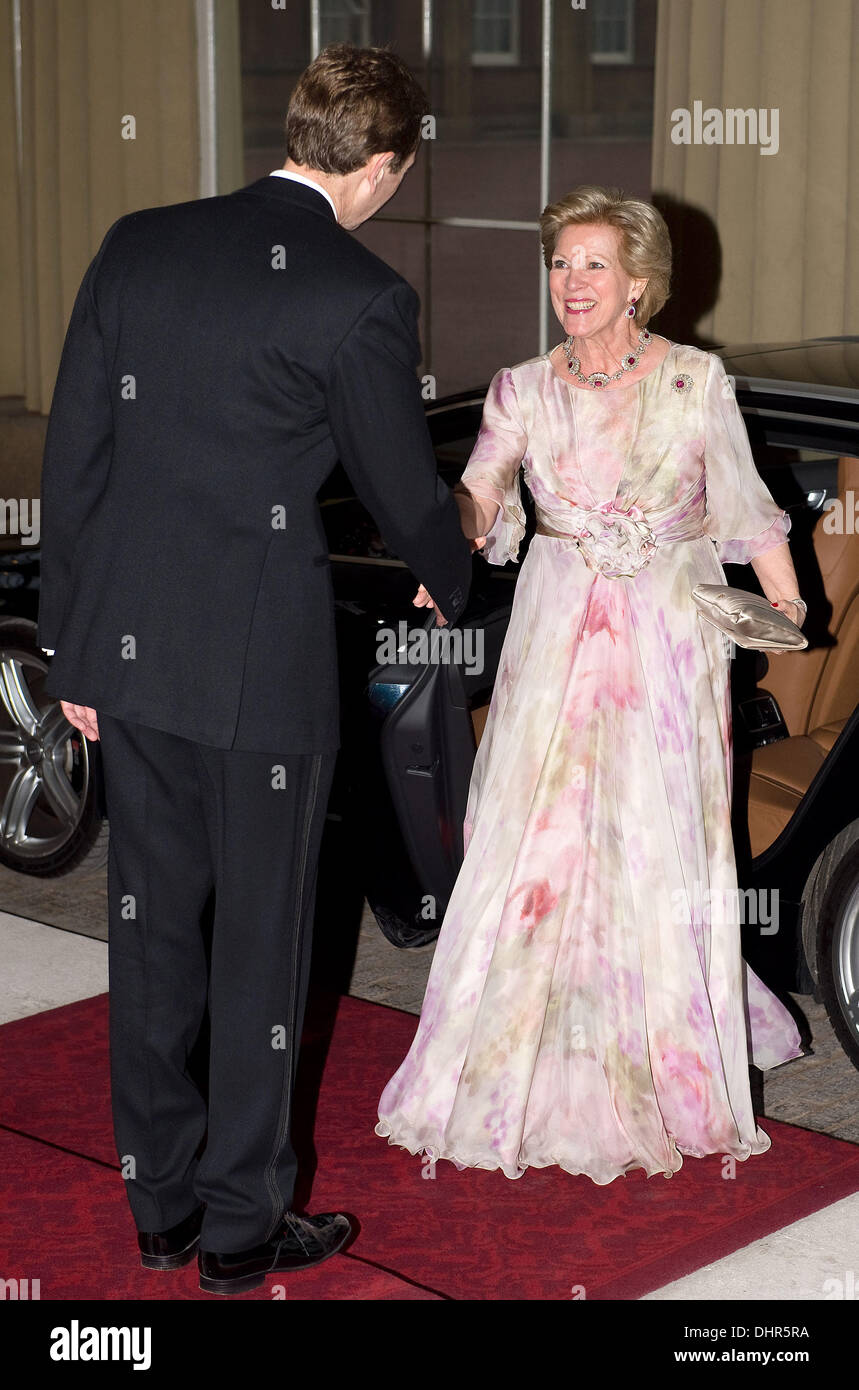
(423, 600)
(83, 718)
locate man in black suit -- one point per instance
(222, 354)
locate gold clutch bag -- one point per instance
(748, 619)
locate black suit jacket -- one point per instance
(222, 354)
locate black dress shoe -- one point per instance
(174, 1248)
(301, 1242)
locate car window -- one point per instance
(805, 482)
(797, 477)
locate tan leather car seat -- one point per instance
(816, 689)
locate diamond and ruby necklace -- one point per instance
(599, 379)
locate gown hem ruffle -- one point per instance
(435, 1153)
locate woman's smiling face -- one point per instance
(590, 289)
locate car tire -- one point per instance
(50, 824)
(838, 952)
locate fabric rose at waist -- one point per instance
(618, 541)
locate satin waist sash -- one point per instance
(618, 542)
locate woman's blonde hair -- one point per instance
(645, 246)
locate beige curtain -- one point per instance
(87, 66)
(11, 304)
(786, 224)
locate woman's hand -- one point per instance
(778, 580)
(477, 515)
(795, 611)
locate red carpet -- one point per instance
(468, 1235)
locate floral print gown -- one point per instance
(588, 1005)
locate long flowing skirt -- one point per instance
(588, 1005)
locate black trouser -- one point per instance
(186, 820)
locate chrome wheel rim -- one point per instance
(44, 763)
(846, 962)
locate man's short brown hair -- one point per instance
(350, 104)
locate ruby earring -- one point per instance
(630, 313)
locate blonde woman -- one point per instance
(588, 1005)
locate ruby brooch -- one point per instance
(681, 382)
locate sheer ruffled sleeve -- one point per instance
(742, 517)
(492, 471)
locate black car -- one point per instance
(414, 704)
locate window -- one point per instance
(611, 31)
(495, 32)
(344, 21)
(513, 126)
